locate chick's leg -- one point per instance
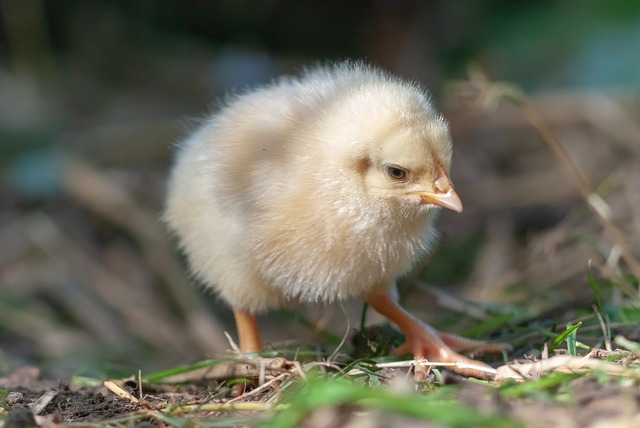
(247, 331)
(426, 342)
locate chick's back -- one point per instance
(267, 198)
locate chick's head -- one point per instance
(398, 147)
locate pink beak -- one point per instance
(449, 200)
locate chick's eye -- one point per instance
(395, 172)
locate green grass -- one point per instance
(4, 395)
(440, 407)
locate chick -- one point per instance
(317, 189)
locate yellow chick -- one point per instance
(318, 188)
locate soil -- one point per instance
(69, 404)
(591, 404)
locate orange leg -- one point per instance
(426, 342)
(247, 331)
(249, 337)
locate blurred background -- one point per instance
(94, 96)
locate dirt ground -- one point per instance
(67, 404)
(70, 404)
(592, 403)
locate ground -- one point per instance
(561, 394)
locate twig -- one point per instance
(234, 347)
(421, 362)
(119, 391)
(140, 384)
(604, 325)
(344, 337)
(43, 402)
(265, 385)
(216, 407)
(563, 364)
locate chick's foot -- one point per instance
(424, 342)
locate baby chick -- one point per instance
(318, 188)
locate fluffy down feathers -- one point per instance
(311, 188)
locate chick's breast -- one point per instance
(268, 199)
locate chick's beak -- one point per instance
(449, 200)
(443, 194)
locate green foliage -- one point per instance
(439, 407)
(490, 324)
(595, 288)
(545, 387)
(629, 314)
(570, 336)
(4, 396)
